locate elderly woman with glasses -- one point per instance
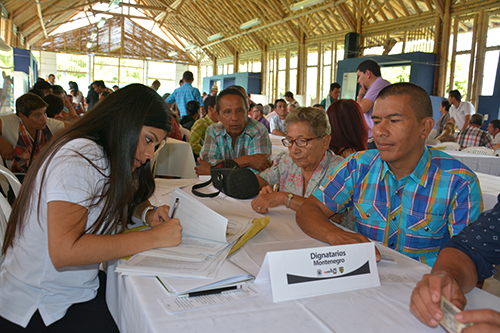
(295, 175)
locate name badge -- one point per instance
(318, 271)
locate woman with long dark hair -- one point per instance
(77, 197)
(349, 129)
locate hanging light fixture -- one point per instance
(251, 23)
(101, 22)
(304, 4)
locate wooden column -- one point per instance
(264, 71)
(475, 30)
(453, 55)
(301, 68)
(445, 43)
(481, 51)
(236, 62)
(215, 69)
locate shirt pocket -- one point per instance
(370, 221)
(425, 232)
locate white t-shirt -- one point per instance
(28, 279)
(464, 109)
(496, 139)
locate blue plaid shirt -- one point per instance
(184, 94)
(218, 143)
(416, 215)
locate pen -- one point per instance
(174, 209)
(210, 292)
(275, 188)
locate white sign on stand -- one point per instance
(317, 271)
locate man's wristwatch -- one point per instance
(289, 200)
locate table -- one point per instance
(133, 300)
(490, 188)
(478, 163)
(176, 159)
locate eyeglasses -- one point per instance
(301, 143)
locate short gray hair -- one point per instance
(316, 118)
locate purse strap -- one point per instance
(195, 191)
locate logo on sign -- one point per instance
(319, 272)
(341, 269)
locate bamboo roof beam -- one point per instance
(439, 7)
(403, 7)
(331, 22)
(336, 18)
(360, 11)
(346, 16)
(380, 10)
(415, 7)
(429, 5)
(389, 7)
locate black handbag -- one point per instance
(236, 182)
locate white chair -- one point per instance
(5, 210)
(433, 134)
(449, 146)
(8, 178)
(479, 151)
(497, 152)
(155, 157)
(185, 133)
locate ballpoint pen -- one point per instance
(174, 209)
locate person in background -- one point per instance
(460, 112)
(78, 97)
(272, 113)
(236, 136)
(448, 133)
(371, 82)
(277, 123)
(332, 97)
(55, 108)
(289, 98)
(103, 95)
(193, 113)
(24, 133)
(467, 258)
(204, 96)
(92, 98)
(52, 79)
(319, 106)
(408, 197)
(258, 114)
(43, 86)
(473, 135)
(307, 164)
(349, 129)
(197, 138)
(68, 110)
(74, 204)
(185, 93)
(155, 85)
(494, 130)
(445, 116)
(115, 87)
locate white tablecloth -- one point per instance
(478, 163)
(176, 159)
(133, 301)
(490, 188)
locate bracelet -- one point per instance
(144, 212)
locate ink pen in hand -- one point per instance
(174, 209)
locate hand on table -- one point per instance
(346, 237)
(426, 297)
(267, 199)
(259, 162)
(485, 320)
(203, 168)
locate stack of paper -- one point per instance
(206, 241)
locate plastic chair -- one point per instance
(155, 157)
(6, 174)
(5, 211)
(497, 152)
(186, 134)
(479, 151)
(449, 146)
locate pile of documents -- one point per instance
(207, 238)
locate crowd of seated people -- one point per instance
(401, 193)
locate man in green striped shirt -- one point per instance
(199, 128)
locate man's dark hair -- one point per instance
(446, 105)
(52, 75)
(99, 83)
(370, 65)
(419, 100)
(42, 85)
(477, 119)
(192, 107)
(455, 94)
(56, 90)
(181, 82)
(495, 123)
(279, 100)
(209, 101)
(55, 105)
(231, 91)
(289, 94)
(188, 76)
(271, 105)
(38, 92)
(115, 86)
(318, 106)
(335, 85)
(28, 103)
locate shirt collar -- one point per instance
(419, 175)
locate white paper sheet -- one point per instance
(180, 304)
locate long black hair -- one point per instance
(114, 124)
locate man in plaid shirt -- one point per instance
(405, 196)
(473, 135)
(236, 136)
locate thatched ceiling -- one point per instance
(193, 21)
